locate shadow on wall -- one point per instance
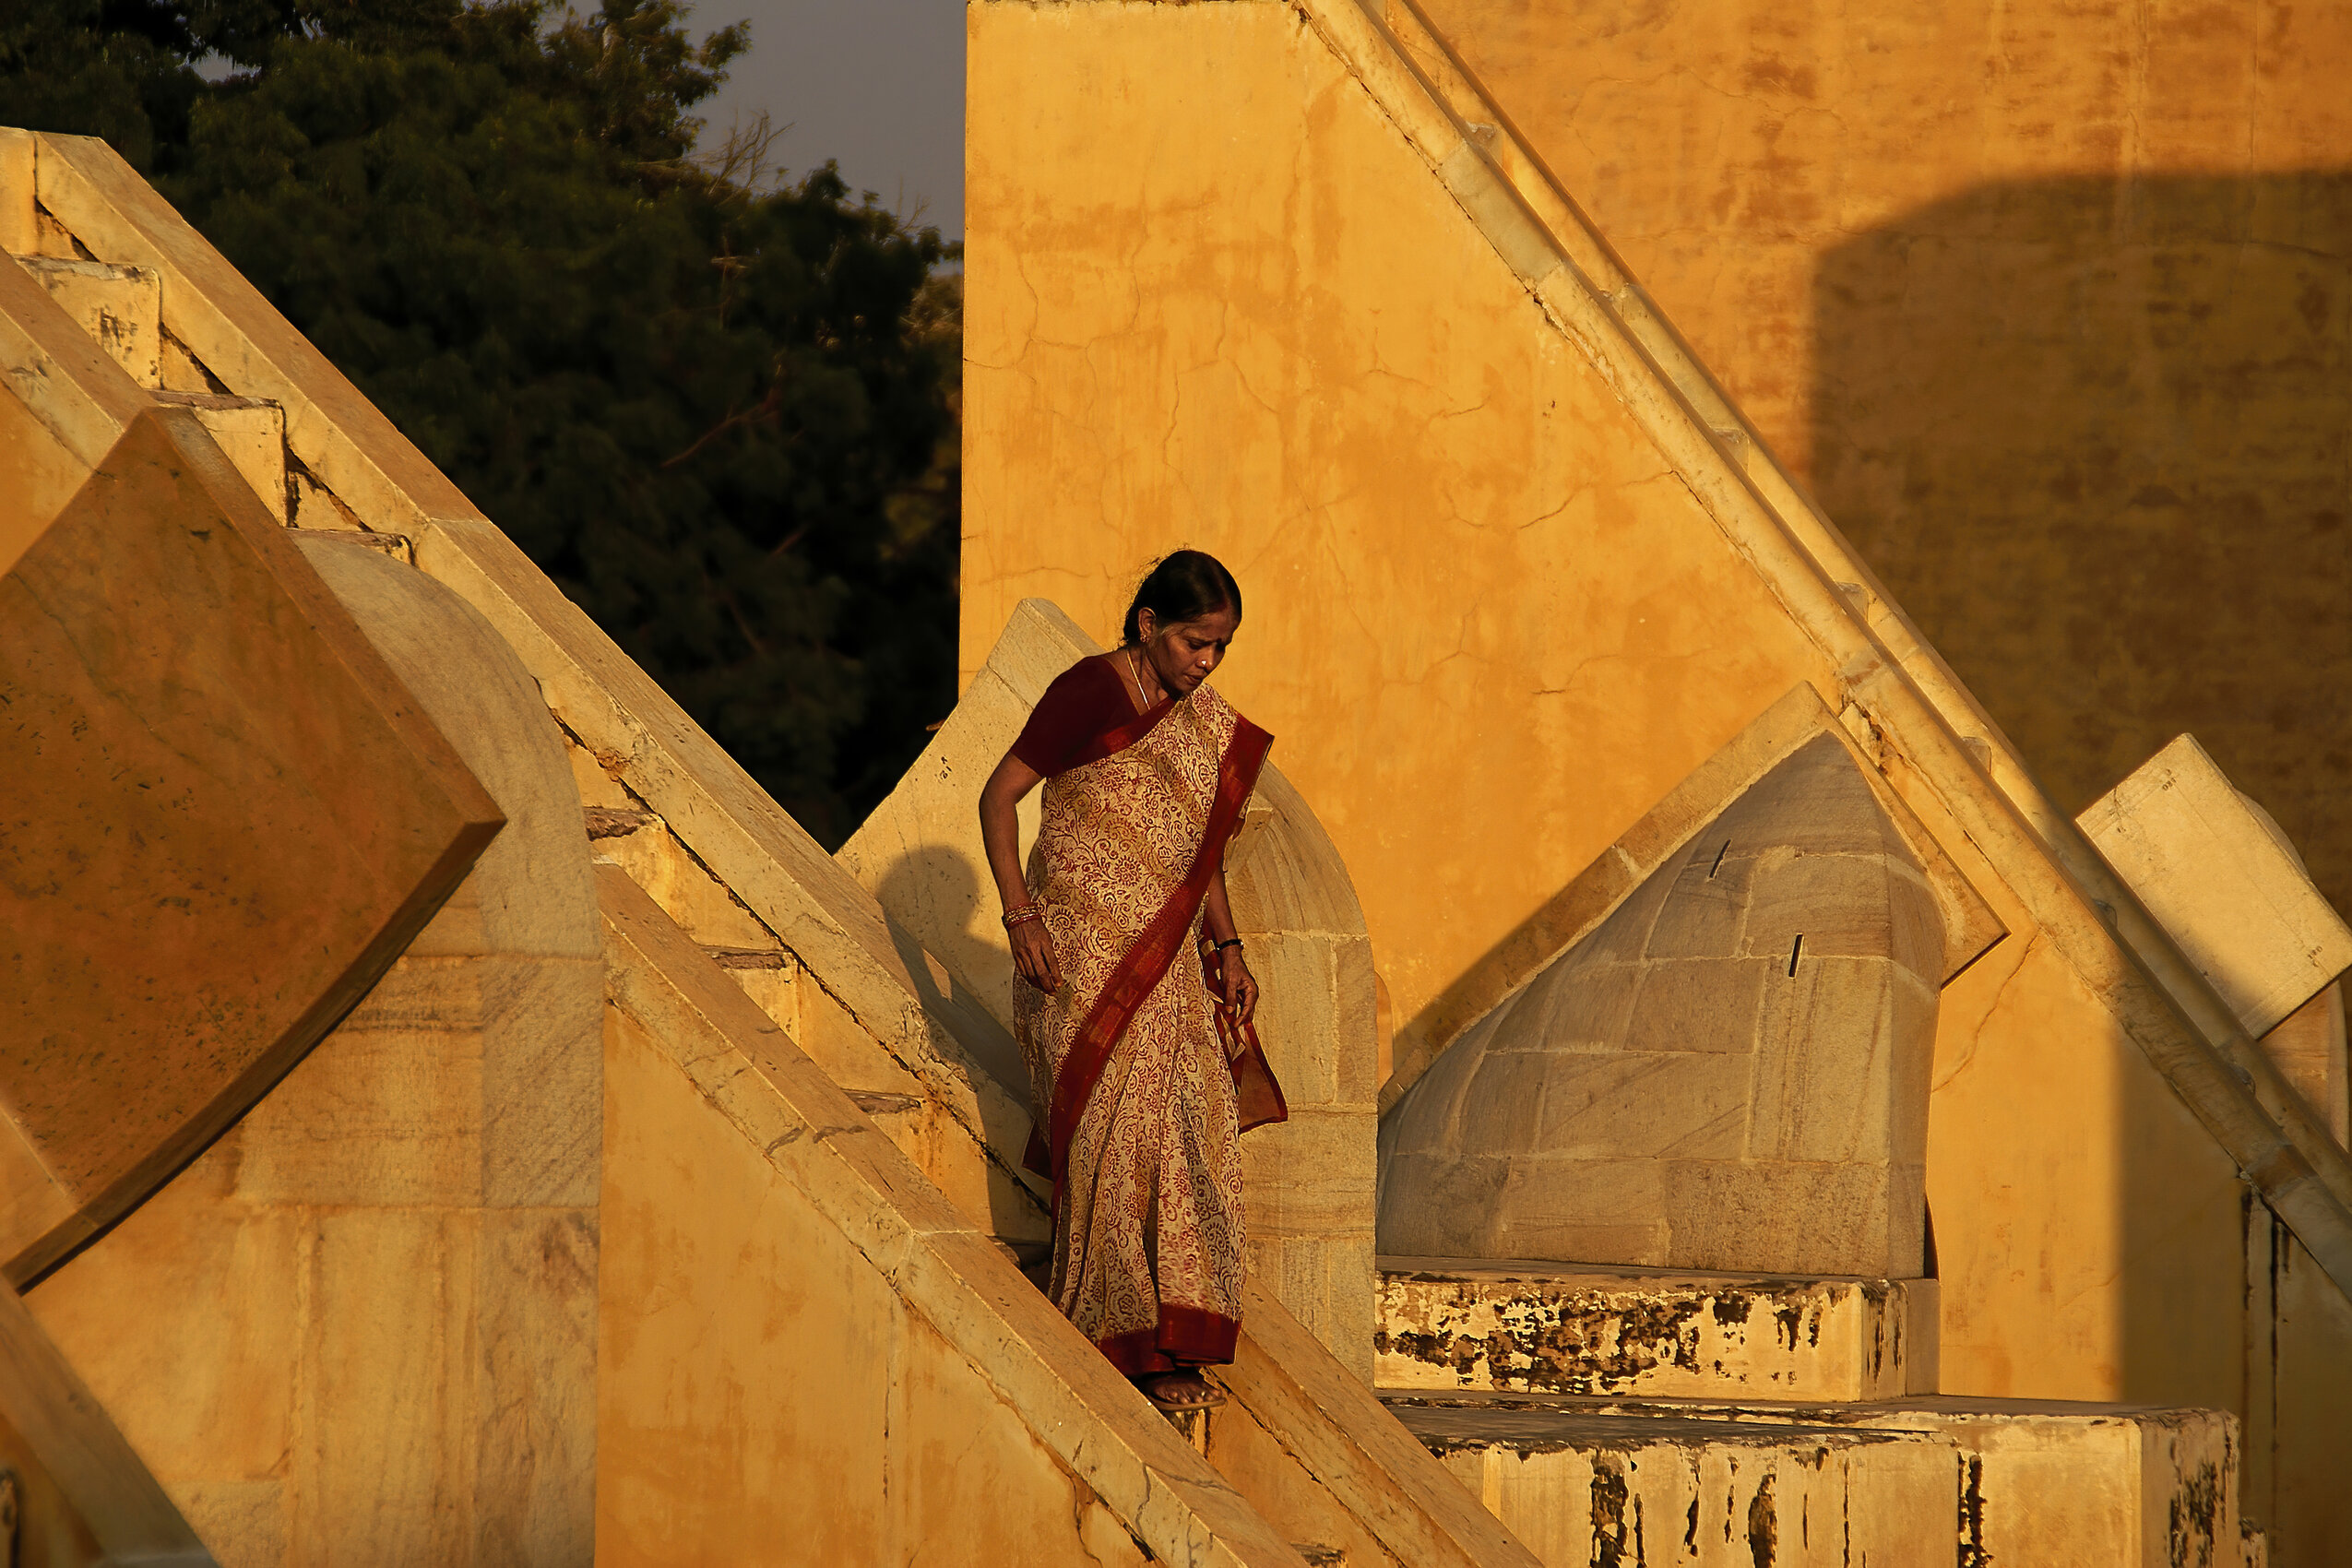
(942, 877)
(2095, 435)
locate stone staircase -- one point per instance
(781, 1031)
(1647, 1416)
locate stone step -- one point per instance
(251, 432)
(120, 307)
(1912, 1480)
(1590, 1329)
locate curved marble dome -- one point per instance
(1729, 1072)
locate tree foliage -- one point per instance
(715, 408)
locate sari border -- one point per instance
(1154, 950)
(1184, 1336)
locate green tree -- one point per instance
(716, 409)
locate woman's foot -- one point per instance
(1179, 1391)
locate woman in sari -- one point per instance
(1143, 1079)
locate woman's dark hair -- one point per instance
(1183, 585)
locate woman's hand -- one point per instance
(1033, 957)
(1240, 986)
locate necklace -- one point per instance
(1134, 673)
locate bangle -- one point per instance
(1228, 942)
(1022, 916)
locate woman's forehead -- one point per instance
(1220, 623)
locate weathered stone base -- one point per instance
(1584, 1486)
(1557, 1328)
(1913, 1480)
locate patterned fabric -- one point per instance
(1148, 1242)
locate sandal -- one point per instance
(1180, 1393)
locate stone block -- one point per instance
(2217, 874)
(193, 710)
(533, 1410)
(1299, 1024)
(1676, 1105)
(2308, 1047)
(1356, 1016)
(1504, 1099)
(1839, 904)
(251, 432)
(2013, 1480)
(1652, 1334)
(385, 1111)
(381, 1468)
(1600, 1209)
(1824, 1087)
(18, 229)
(1707, 905)
(1708, 1006)
(1589, 1008)
(1862, 1219)
(542, 1093)
(2149, 1486)
(120, 307)
(1584, 1489)
(207, 1394)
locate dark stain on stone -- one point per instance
(1691, 1530)
(2196, 1519)
(1972, 1514)
(1608, 1519)
(1797, 1325)
(1763, 1525)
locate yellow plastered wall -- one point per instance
(2045, 301)
(1214, 297)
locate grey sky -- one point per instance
(876, 85)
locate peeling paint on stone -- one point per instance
(1556, 1329)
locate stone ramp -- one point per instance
(699, 1285)
(800, 1332)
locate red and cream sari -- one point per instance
(1134, 1065)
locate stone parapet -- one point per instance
(1470, 1323)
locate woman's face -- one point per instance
(1183, 652)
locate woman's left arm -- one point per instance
(1240, 986)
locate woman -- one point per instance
(1142, 1082)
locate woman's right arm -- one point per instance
(1000, 803)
